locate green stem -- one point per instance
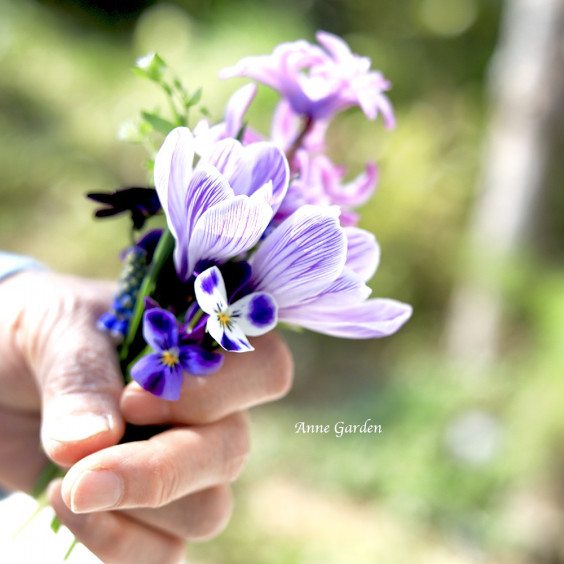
(162, 253)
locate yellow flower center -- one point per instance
(223, 318)
(170, 358)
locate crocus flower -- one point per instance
(232, 124)
(230, 324)
(319, 82)
(220, 208)
(162, 372)
(316, 271)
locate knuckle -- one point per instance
(164, 485)
(238, 445)
(281, 376)
(215, 516)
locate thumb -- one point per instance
(77, 369)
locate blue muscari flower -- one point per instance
(162, 371)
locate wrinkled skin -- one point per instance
(60, 388)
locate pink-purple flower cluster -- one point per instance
(264, 229)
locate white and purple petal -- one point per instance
(209, 289)
(229, 336)
(301, 257)
(255, 314)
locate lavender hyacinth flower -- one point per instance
(230, 324)
(320, 82)
(316, 271)
(162, 372)
(220, 208)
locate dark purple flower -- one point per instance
(162, 372)
(141, 202)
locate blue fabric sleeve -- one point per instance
(11, 264)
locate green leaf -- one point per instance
(196, 97)
(158, 123)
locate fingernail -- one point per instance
(95, 490)
(77, 427)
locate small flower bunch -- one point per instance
(259, 230)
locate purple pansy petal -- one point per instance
(172, 172)
(256, 314)
(374, 318)
(230, 228)
(301, 257)
(153, 376)
(209, 289)
(206, 188)
(160, 329)
(196, 360)
(363, 252)
(248, 168)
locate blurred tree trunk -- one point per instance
(526, 93)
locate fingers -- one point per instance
(21, 459)
(165, 468)
(76, 367)
(243, 381)
(116, 538)
(200, 516)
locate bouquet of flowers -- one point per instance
(258, 231)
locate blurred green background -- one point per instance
(470, 464)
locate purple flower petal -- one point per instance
(248, 168)
(172, 172)
(160, 329)
(256, 314)
(196, 360)
(230, 228)
(301, 257)
(152, 375)
(206, 188)
(230, 338)
(374, 318)
(363, 252)
(237, 107)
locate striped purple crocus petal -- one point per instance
(363, 252)
(155, 377)
(367, 320)
(248, 168)
(230, 228)
(301, 257)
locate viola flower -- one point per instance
(316, 271)
(319, 82)
(230, 324)
(221, 208)
(162, 372)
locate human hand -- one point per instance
(59, 380)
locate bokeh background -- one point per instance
(469, 394)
